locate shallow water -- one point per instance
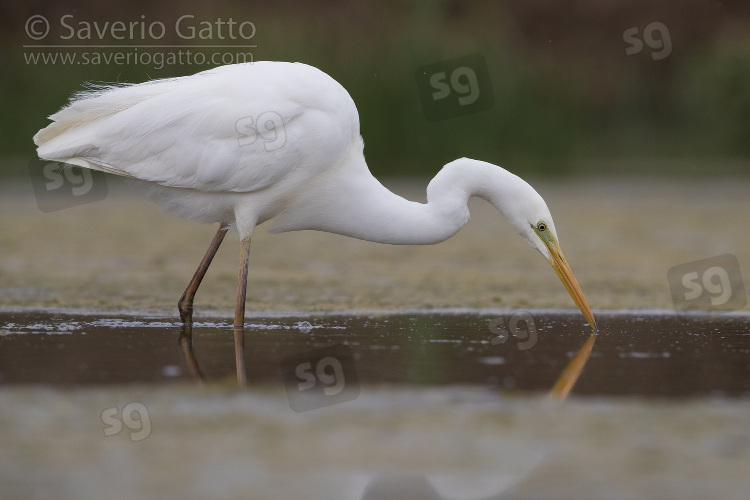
(434, 405)
(635, 353)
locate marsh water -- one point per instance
(651, 354)
(432, 405)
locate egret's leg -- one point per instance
(239, 312)
(185, 304)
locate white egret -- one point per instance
(246, 143)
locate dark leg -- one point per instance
(239, 313)
(185, 304)
(186, 345)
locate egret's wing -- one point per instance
(227, 129)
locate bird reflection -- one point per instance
(418, 486)
(186, 346)
(391, 486)
(185, 342)
(560, 390)
(570, 374)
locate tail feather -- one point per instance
(67, 139)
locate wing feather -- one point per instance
(237, 128)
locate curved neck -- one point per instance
(348, 200)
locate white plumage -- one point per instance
(242, 144)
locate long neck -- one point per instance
(348, 200)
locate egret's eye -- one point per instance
(542, 226)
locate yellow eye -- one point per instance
(542, 226)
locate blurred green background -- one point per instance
(568, 99)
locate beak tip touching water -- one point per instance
(573, 370)
(561, 267)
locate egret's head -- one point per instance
(528, 213)
(519, 203)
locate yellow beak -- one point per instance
(561, 267)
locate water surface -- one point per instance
(435, 405)
(645, 354)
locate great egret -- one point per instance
(242, 144)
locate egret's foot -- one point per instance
(186, 310)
